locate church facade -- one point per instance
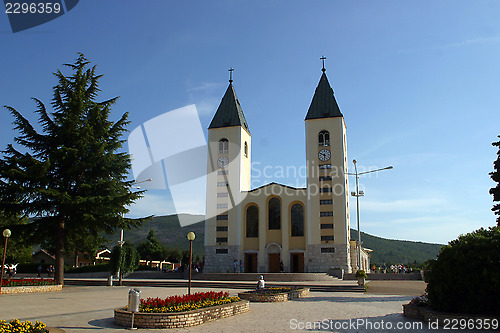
(276, 227)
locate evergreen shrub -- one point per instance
(466, 276)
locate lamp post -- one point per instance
(121, 241)
(358, 194)
(190, 236)
(6, 233)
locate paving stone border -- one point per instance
(31, 289)
(180, 319)
(443, 318)
(281, 297)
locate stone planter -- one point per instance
(180, 319)
(31, 289)
(444, 319)
(280, 297)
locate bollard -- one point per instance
(110, 280)
(134, 299)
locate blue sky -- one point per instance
(417, 82)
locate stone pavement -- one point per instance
(90, 309)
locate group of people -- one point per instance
(237, 266)
(393, 269)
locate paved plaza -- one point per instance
(90, 309)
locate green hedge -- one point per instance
(88, 269)
(466, 276)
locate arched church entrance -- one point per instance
(273, 258)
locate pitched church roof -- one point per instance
(229, 112)
(323, 104)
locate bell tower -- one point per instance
(327, 187)
(228, 175)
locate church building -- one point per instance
(276, 227)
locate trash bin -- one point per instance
(110, 280)
(134, 299)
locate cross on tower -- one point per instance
(323, 59)
(231, 75)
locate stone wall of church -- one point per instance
(321, 262)
(220, 262)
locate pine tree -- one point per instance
(495, 175)
(71, 177)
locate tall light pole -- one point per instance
(358, 194)
(121, 241)
(190, 236)
(6, 233)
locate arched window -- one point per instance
(253, 221)
(246, 149)
(324, 138)
(297, 220)
(274, 214)
(223, 146)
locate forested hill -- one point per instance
(169, 233)
(397, 251)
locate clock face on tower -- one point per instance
(324, 155)
(222, 162)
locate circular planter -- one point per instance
(179, 319)
(253, 296)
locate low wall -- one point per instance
(273, 277)
(448, 320)
(281, 297)
(389, 276)
(180, 319)
(31, 289)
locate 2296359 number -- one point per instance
(462, 324)
(32, 8)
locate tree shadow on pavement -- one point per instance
(355, 299)
(394, 322)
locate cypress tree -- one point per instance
(70, 177)
(495, 175)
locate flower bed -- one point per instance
(185, 302)
(274, 294)
(27, 282)
(182, 311)
(15, 326)
(30, 285)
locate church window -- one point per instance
(274, 213)
(326, 238)
(325, 166)
(322, 214)
(326, 225)
(252, 221)
(223, 146)
(221, 251)
(325, 190)
(222, 195)
(297, 220)
(222, 206)
(246, 149)
(222, 228)
(324, 138)
(220, 184)
(325, 178)
(221, 240)
(222, 217)
(326, 202)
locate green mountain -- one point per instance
(170, 234)
(391, 251)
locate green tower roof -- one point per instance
(323, 104)
(229, 112)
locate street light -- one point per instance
(6, 233)
(190, 236)
(358, 194)
(121, 241)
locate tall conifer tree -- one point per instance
(71, 175)
(495, 175)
